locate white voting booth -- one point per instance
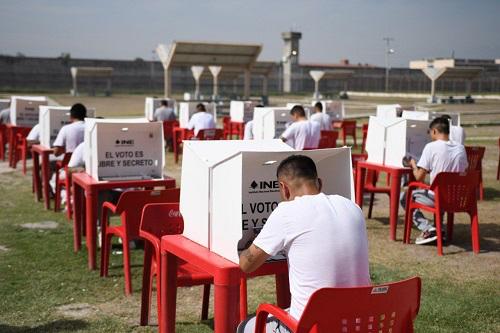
(24, 110)
(335, 109)
(241, 111)
(52, 118)
(229, 189)
(187, 109)
(388, 110)
(153, 103)
(269, 122)
(415, 115)
(391, 139)
(124, 149)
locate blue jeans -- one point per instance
(424, 197)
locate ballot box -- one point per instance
(388, 110)
(4, 104)
(229, 189)
(124, 149)
(335, 109)
(24, 110)
(241, 111)
(270, 122)
(308, 109)
(153, 103)
(187, 109)
(391, 139)
(51, 119)
(415, 115)
(455, 117)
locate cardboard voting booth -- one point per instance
(229, 189)
(187, 109)
(24, 110)
(389, 140)
(121, 149)
(388, 110)
(415, 115)
(241, 111)
(153, 103)
(270, 123)
(335, 109)
(51, 119)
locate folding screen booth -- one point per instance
(270, 123)
(24, 110)
(229, 189)
(388, 110)
(187, 109)
(241, 111)
(153, 103)
(415, 115)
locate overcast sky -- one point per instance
(331, 30)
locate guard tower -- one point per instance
(290, 59)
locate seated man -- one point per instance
(201, 119)
(302, 133)
(324, 237)
(164, 113)
(457, 133)
(322, 118)
(71, 135)
(440, 155)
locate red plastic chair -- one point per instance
(159, 220)
(236, 129)
(179, 135)
(365, 135)
(21, 147)
(475, 158)
(64, 182)
(355, 158)
(129, 207)
(3, 141)
(168, 129)
(454, 193)
(328, 139)
(226, 120)
(348, 128)
(210, 134)
(391, 307)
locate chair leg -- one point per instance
(57, 196)
(481, 189)
(126, 266)
(106, 252)
(437, 218)
(206, 300)
(449, 226)
(147, 285)
(372, 198)
(475, 231)
(25, 157)
(408, 220)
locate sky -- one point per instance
(331, 29)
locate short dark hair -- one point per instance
(78, 111)
(299, 110)
(164, 102)
(297, 166)
(446, 116)
(201, 107)
(319, 106)
(440, 124)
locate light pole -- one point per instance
(388, 52)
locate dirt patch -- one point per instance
(45, 225)
(3, 248)
(77, 311)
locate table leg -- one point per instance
(360, 185)
(175, 146)
(168, 293)
(36, 176)
(11, 147)
(394, 204)
(77, 217)
(226, 312)
(91, 226)
(243, 299)
(46, 180)
(283, 297)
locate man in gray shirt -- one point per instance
(164, 113)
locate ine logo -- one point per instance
(254, 185)
(265, 185)
(124, 142)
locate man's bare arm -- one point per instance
(252, 258)
(418, 173)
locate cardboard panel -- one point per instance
(187, 109)
(388, 110)
(24, 110)
(270, 123)
(51, 119)
(242, 111)
(335, 109)
(153, 103)
(415, 115)
(375, 141)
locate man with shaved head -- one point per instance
(323, 236)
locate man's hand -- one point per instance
(252, 258)
(418, 173)
(58, 150)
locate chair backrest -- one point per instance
(349, 126)
(385, 308)
(456, 192)
(162, 219)
(62, 163)
(210, 134)
(475, 156)
(328, 139)
(355, 158)
(131, 203)
(168, 127)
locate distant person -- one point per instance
(457, 133)
(440, 155)
(201, 120)
(5, 116)
(249, 134)
(302, 133)
(324, 238)
(164, 112)
(322, 118)
(71, 135)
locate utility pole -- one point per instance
(388, 51)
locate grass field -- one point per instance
(46, 287)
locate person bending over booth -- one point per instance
(323, 236)
(440, 155)
(71, 135)
(201, 119)
(302, 133)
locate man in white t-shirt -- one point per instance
(164, 113)
(302, 133)
(322, 118)
(440, 155)
(201, 119)
(34, 135)
(71, 135)
(323, 236)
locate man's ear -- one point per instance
(285, 191)
(320, 184)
